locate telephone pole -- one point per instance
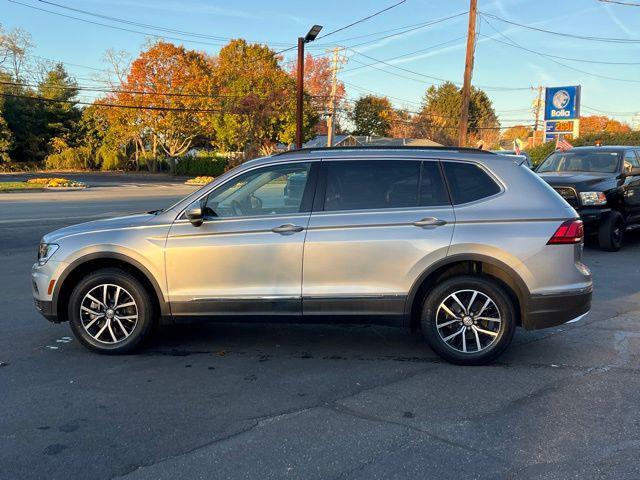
(468, 69)
(537, 107)
(335, 68)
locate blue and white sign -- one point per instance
(562, 103)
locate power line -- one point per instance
(376, 60)
(146, 25)
(561, 34)
(628, 4)
(362, 19)
(513, 43)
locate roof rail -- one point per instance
(382, 147)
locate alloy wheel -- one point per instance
(108, 313)
(468, 321)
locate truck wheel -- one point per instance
(611, 232)
(110, 311)
(468, 320)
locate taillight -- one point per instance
(570, 231)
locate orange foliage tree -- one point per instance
(164, 100)
(602, 124)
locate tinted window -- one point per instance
(275, 190)
(630, 161)
(432, 190)
(468, 182)
(581, 161)
(363, 184)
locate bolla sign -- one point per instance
(562, 103)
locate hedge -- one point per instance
(211, 165)
(539, 153)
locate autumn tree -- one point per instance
(440, 114)
(517, 131)
(318, 84)
(602, 124)
(257, 100)
(163, 100)
(372, 115)
(403, 124)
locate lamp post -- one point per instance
(309, 37)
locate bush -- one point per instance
(78, 158)
(208, 164)
(111, 159)
(20, 166)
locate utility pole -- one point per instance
(335, 67)
(309, 37)
(537, 107)
(468, 69)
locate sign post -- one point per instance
(561, 112)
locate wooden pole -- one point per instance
(468, 69)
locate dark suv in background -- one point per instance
(602, 184)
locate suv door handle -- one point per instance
(430, 222)
(287, 228)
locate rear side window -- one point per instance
(364, 184)
(468, 182)
(432, 189)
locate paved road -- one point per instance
(272, 401)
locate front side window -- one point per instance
(630, 161)
(273, 190)
(371, 184)
(585, 161)
(468, 182)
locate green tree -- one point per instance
(6, 141)
(257, 100)
(440, 114)
(372, 115)
(60, 113)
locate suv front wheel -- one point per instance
(110, 311)
(468, 320)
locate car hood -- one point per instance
(99, 225)
(579, 179)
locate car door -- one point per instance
(246, 257)
(376, 225)
(632, 185)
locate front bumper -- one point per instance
(41, 278)
(592, 217)
(546, 311)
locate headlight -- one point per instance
(593, 198)
(45, 251)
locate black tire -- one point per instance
(611, 232)
(495, 344)
(133, 288)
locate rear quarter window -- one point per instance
(468, 182)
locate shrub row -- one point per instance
(210, 165)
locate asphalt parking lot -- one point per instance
(274, 401)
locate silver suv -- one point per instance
(461, 244)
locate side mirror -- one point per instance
(194, 214)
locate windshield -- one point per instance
(588, 161)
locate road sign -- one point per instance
(562, 103)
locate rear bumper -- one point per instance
(546, 311)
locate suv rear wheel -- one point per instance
(110, 311)
(468, 320)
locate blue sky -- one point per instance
(442, 47)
